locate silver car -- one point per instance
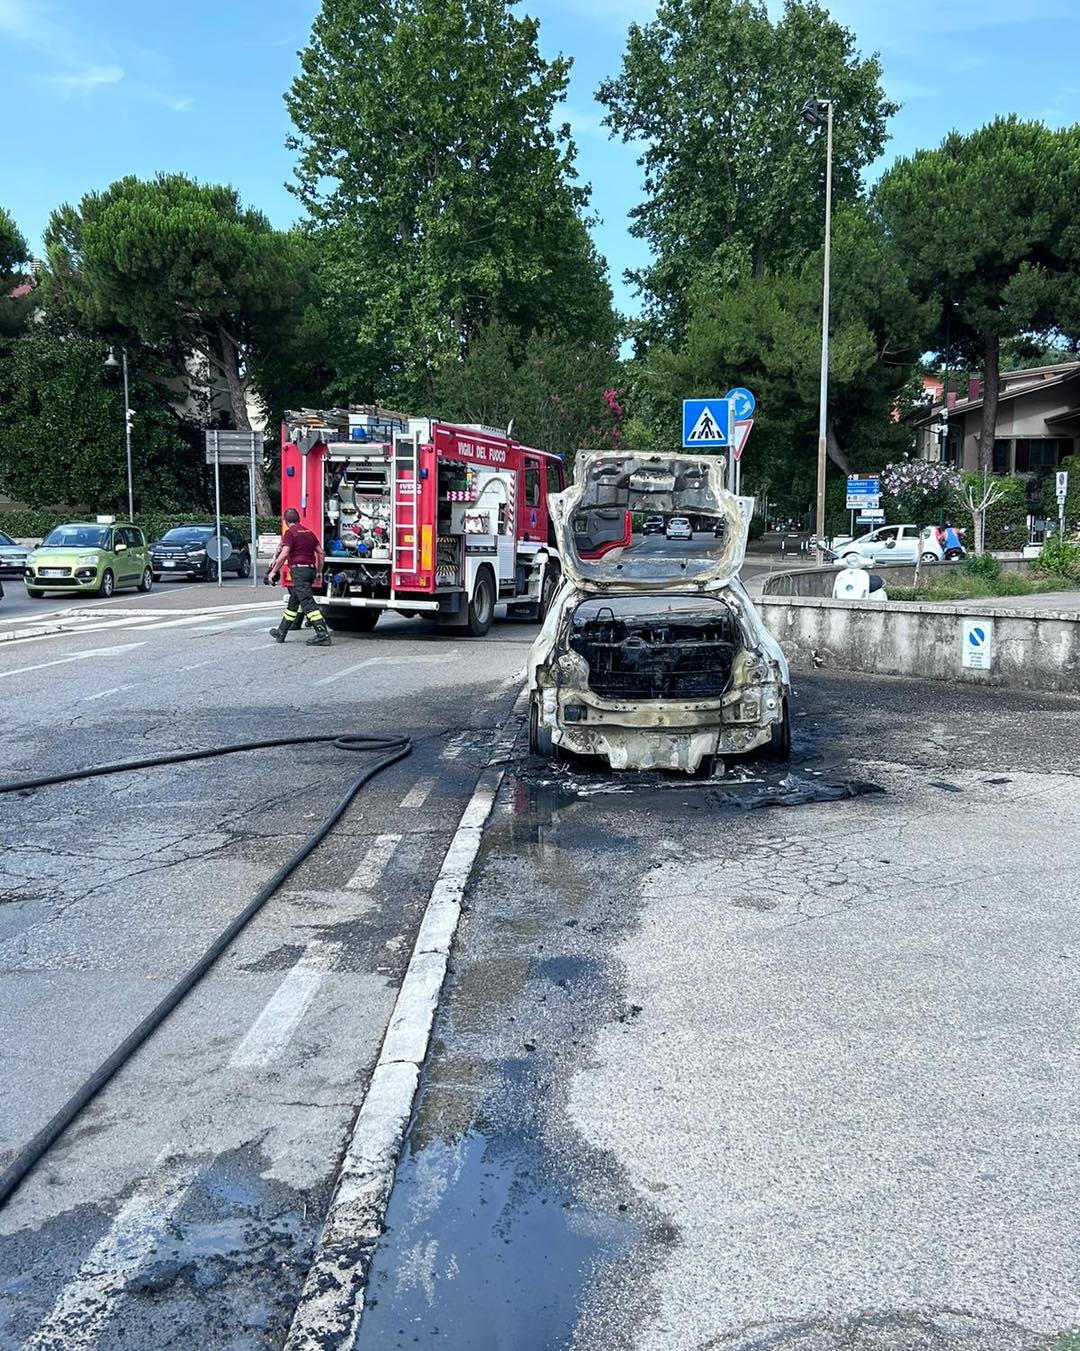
(12, 556)
(655, 657)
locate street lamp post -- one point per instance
(814, 112)
(111, 363)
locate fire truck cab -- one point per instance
(422, 517)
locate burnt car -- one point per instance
(655, 657)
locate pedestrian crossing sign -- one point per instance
(706, 424)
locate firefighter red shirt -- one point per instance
(302, 545)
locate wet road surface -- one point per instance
(781, 1061)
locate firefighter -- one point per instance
(301, 550)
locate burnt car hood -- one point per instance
(599, 523)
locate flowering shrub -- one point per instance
(919, 476)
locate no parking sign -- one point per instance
(976, 643)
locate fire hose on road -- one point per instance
(388, 751)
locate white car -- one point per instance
(678, 528)
(889, 544)
(649, 660)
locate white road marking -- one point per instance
(453, 748)
(373, 863)
(437, 659)
(332, 1300)
(76, 656)
(235, 624)
(104, 694)
(272, 1029)
(195, 666)
(417, 795)
(86, 1303)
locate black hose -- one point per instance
(392, 748)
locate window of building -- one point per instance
(1038, 455)
(1002, 456)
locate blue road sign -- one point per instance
(976, 636)
(742, 403)
(706, 424)
(867, 486)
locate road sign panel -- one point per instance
(976, 643)
(233, 447)
(1062, 486)
(870, 518)
(740, 434)
(706, 424)
(863, 502)
(742, 403)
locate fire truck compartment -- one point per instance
(656, 647)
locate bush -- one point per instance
(1059, 558)
(984, 566)
(1006, 520)
(36, 523)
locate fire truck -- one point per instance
(420, 516)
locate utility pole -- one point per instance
(111, 364)
(814, 111)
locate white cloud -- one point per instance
(85, 81)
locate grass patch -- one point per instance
(1068, 1341)
(965, 586)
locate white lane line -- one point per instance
(373, 863)
(340, 675)
(235, 624)
(195, 666)
(87, 1302)
(453, 747)
(417, 795)
(437, 659)
(273, 1028)
(76, 656)
(332, 1301)
(104, 694)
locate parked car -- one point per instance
(653, 525)
(890, 544)
(12, 556)
(181, 552)
(82, 558)
(650, 661)
(678, 527)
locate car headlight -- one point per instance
(87, 558)
(196, 553)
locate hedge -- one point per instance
(36, 524)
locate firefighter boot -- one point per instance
(321, 636)
(288, 623)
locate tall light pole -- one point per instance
(111, 364)
(814, 112)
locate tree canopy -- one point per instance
(733, 181)
(14, 310)
(986, 224)
(444, 192)
(183, 264)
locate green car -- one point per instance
(100, 559)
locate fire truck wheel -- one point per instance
(353, 620)
(482, 605)
(540, 742)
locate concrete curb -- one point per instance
(332, 1301)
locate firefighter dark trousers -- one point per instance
(301, 601)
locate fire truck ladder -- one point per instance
(406, 488)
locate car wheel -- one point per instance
(540, 740)
(482, 605)
(245, 565)
(853, 560)
(929, 558)
(352, 620)
(147, 580)
(779, 743)
(211, 571)
(108, 583)
(34, 593)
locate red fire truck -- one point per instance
(422, 517)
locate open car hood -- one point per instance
(623, 524)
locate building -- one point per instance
(1038, 422)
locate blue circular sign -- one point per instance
(976, 637)
(743, 403)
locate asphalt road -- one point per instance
(17, 605)
(781, 1060)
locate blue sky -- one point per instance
(95, 89)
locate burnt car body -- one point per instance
(654, 657)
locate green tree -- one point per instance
(560, 395)
(764, 332)
(184, 264)
(713, 88)
(444, 193)
(986, 224)
(14, 310)
(62, 433)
